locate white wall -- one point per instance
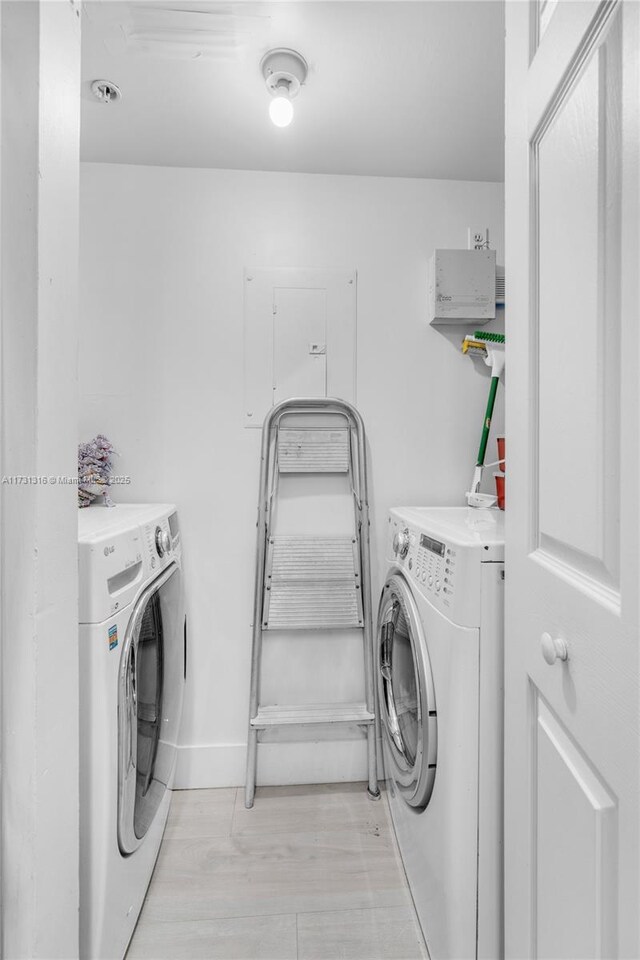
(40, 64)
(162, 258)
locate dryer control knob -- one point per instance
(401, 542)
(163, 542)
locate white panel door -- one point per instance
(299, 342)
(572, 743)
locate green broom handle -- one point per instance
(493, 389)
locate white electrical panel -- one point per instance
(462, 286)
(299, 337)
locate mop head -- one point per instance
(476, 344)
(488, 347)
(474, 347)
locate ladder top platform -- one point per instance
(313, 450)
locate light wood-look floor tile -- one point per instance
(229, 882)
(245, 938)
(386, 933)
(200, 813)
(275, 874)
(332, 807)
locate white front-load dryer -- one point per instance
(132, 671)
(439, 664)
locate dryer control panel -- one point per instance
(435, 563)
(444, 568)
(428, 562)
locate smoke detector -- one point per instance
(284, 72)
(105, 91)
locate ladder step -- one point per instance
(312, 583)
(312, 558)
(312, 713)
(313, 450)
(304, 605)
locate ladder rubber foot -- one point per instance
(374, 796)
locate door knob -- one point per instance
(553, 648)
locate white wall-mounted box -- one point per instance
(462, 286)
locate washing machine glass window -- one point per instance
(407, 698)
(145, 713)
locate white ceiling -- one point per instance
(404, 89)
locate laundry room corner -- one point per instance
(163, 255)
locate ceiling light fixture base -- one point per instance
(284, 72)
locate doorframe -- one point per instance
(39, 231)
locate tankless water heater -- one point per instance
(462, 286)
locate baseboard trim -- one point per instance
(223, 764)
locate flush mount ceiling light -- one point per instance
(284, 72)
(105, 91)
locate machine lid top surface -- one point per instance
(464, 526)
(97, 521)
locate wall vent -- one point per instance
(218, 32)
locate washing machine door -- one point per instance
(406, 694)
(149, 705)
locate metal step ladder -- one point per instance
(309, 582)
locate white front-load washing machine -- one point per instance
(440, 656)
(132, 672)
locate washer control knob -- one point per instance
(163, 542)
(401, 542)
